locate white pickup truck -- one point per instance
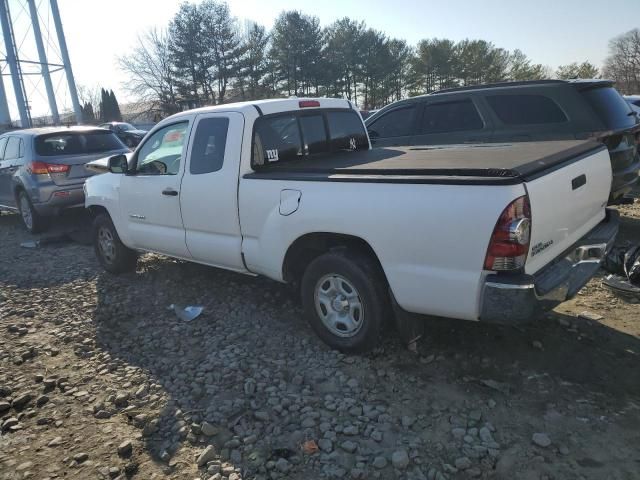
(291, 190)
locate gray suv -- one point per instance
(42, 169)
(518, 112)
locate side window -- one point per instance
(207, 152)
(21, 149)
(314, 134)
(13, 148)
(396, 123)
(526, 109)
(347, 131)
(276, 139)
(3, 143)
(450, 117)
(161, 153)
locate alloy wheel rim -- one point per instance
(25, 211)
(339, 305)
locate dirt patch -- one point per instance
(98, 379)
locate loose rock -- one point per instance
(400, 459)
(541, 439)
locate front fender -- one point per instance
(104, 191)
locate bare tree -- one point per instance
(90, 99)
(623, 63)
(151, 77)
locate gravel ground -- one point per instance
(99, 380)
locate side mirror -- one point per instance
(118, 164)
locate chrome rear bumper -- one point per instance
(516, 298)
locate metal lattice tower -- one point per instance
(18, 63)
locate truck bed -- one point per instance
(477, 163)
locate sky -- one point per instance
(550, 32)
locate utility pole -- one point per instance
(42, 55)
(14, 67)
(62, 42)
(5, 116)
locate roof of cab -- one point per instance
(266, 107)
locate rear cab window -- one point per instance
(305, 136)
(610, 107)
(526, 109)
(346, 131)
(77, 143)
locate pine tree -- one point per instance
(105, 107)
(191, 54)
(88, 113)
(115, 107)
(252, 65)
(296, 51)
(221, 39)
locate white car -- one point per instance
(291, 190)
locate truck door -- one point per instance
(150, 193)
(209, 190)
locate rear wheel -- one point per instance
(31, 219)
(112, 254)
(345, 300)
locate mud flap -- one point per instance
(410, 326)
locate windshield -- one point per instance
(614, 111)
(77, 143)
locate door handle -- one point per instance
(170, 192)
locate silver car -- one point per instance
(42, 170)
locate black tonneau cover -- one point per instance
(478, 163)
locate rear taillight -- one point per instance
(509, 243)
(42, 168)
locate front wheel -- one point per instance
(345, 300)
(31, 219)
(112, 254)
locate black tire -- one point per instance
(364, 275)
(117, 257)
(31, 219)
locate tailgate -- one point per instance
(566, 203)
